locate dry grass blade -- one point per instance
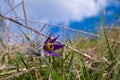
(23, 71)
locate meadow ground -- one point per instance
(81, 59)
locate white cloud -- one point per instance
(64, 10)
(57, 11)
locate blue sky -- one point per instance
(78, 14)
(93, 23)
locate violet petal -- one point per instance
(54, 54)
(47, 39)
(58, 46)
(53, 40)
(47, 52)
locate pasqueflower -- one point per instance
(50, 46)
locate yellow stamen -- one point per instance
(49, 46)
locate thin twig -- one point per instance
(63, 32)
(12, 8)
(43, 27)
(82, 53)
(37, 36)
(6, 67)
(80, 31)
(25, 16)
(23, 71)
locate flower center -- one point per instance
(49, 46)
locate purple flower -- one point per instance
(49, 46)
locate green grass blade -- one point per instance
(2, 43)
(86, 73)
(3, 59)
(26, 36)
(111, 53)
(31, 76)
(54, 63)
(17, 65)
(23, 61)
(70, 67)
(66, 57)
